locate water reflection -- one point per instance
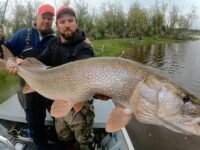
(181, 62)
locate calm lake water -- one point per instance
(181, 62)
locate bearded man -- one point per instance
(77, 127)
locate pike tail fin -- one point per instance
(2, 64)
(8, 60)
(6, 53)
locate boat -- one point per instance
(14, 132)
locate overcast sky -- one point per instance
(184, 5)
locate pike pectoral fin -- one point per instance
(60, 108)
(78, 106)
(27, 89)
(118, 119)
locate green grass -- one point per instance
(8, 86)
(110, 47)
(115, 47)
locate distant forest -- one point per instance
(110, 20)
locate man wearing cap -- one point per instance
(30, 43)
(70, 46)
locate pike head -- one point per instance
(158, 101)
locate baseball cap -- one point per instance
(65, 10)
(46, 8)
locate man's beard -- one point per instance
(67, 34)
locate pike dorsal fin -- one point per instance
(33, 62)
(60, 108)
(78, 106)
(118, 119)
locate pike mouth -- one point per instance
(189, 123)
(183, 124)
(188, 120)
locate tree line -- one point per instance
(111, 20)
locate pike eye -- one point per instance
(186, 99)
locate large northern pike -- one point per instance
(151, 98)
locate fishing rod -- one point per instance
(55, 4)
(3, 14)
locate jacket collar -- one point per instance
(50, 33)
